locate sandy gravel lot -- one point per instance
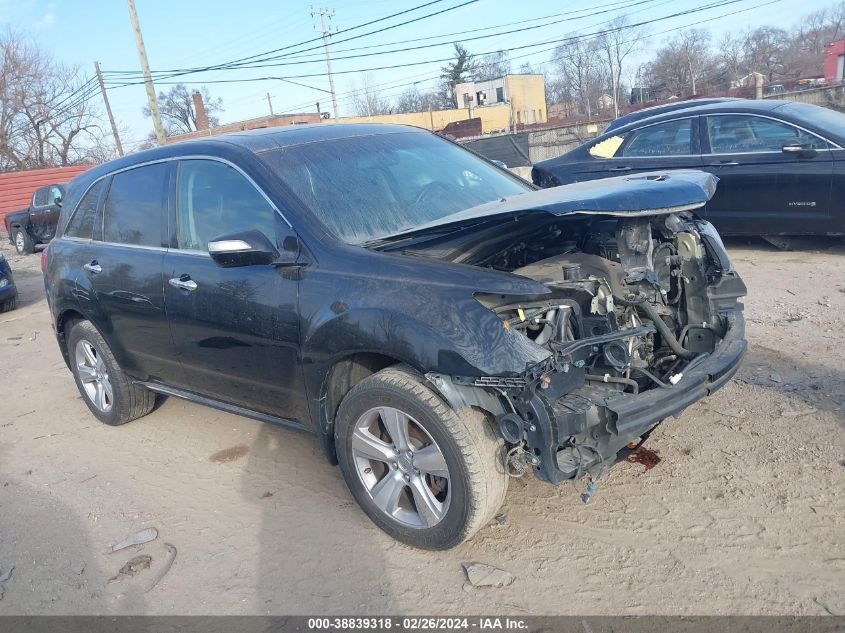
(745, 513)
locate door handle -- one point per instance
(724, 163)
(183, 283)
(93, 267)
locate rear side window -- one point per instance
(673, 138)
(215, 199)
(739, 134)
(82, 223)
(134, 209)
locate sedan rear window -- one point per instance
(367, 187)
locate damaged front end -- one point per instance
(642, 319)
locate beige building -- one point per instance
(492, 118)
(525, 96)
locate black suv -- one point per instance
(435, 321)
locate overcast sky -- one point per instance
(191, 34)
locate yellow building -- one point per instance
(525, 95)
(492, 119)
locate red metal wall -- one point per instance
(17, 187)
(832, 52)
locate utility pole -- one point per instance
(145, 67)
(324, 13)
(270, 103)
(108, 109)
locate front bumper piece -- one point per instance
(583, 431)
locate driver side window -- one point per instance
(215, 199)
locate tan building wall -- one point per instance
(525, 96)
(494, 117)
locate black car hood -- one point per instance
(653, 193)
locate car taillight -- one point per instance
(44, 259)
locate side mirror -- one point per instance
(243, 248)
(57, 201)
(499, 163)
(804, 150)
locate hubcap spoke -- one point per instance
(365, 444)
(107, 389)
(396, 424)
(430, 460)
(387, 491)
(86, 373)
(89, 355)
(100, 397)
(429, 508)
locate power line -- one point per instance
(598, 34)
(241, 61)
(555, 42)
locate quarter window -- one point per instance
(82, 223)
(672, 138)
(216, 199)
(739, 134)
(134, 208)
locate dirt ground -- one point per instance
(744, 514)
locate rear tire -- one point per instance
(447, 479)
(110, 394)
(9, 304)
(23, 243)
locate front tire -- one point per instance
(424, 473)
(23, 243)
(110, 394)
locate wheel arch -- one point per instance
(344, 373)
(64, 322)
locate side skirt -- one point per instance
(225, 406)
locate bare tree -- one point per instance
(412, 100)
(47, 113)
(764, 51)
(580, 71)
(682, 66)
(729, 62)
(178, 115)
(368, 99)
(617, 43)
(492, 66)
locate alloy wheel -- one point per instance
(402, 467)
(19, 242)
(94, 376)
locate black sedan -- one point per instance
(781, 165)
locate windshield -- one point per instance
(367, 187)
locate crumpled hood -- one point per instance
(651, 193)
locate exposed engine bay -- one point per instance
(635, 305)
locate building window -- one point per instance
(500, 95)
